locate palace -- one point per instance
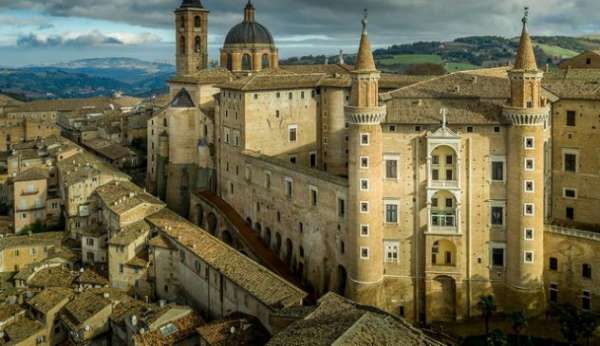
(413, 194)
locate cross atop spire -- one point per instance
(365, 22)
(525, 17)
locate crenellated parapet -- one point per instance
(365, 115)
(526, 116)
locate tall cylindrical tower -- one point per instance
(365, 171)
(191, 37)
(527, 112)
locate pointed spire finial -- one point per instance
(365, 21)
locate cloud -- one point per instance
(91, 39)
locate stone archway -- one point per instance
(212, 223)
(227, 237)
(200, 215)
(443, 299)
(342, 277)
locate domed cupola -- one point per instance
(249, 46)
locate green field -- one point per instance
(457, 66)
(557, 51)
(412, 59)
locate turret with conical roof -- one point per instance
(527, 112)
(365, 184)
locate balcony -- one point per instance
(443, 222)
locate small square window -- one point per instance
(364, 230)
(364, 207)
(364, 184)
(569, 193)
(529, 164)
(529, 186)
(469, 129)
(570, 162)
(364, 253)
(417, 128)
(528, 233)
(529, 209)
(496, 129)
(364, 139)
(364, 162)
(529, 143)
(528, 257)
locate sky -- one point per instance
(40, 32)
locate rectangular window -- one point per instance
(529, 143)
(364, 184)
(529, 186)
(391, 251)
(529, 164)
(364, 139)
(528, 209)
(449, 203)
(434, 202)
(341, 204)
(570, 213)
(586, 300)
(449, 175)
(364, 207)
(289, 187)
(553, 293)
(528, 233)
(293, 133)
(498, 170)
(528, 257)
(364, 162)
(313, 159)
(391, 212)
(498, 255)
(435, 160)
(90, 241)
(391, 169)
(293, 159)
(268, 180)
(586, 271)
(571, 115)
(435, 175)
(449, 159)
(569, 193)
(570, 161)
(553, 263)
(497, 215)
(364, 253)
(313, 196)
(364, 230)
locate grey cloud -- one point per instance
(86, 40)
(391, 21)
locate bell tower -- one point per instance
(527, 111)
(365, 210)
(191, 34)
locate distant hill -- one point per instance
(465, 53)
(87, 78)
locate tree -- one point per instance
(518, 320)
(497, 338)
(588, 325)
(487, 305)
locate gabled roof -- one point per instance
(35, 173)
(182, 100)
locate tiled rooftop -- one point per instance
(130, 233)
(267, 287)
(83, 307)
(49, 238)
(49, 298)
(172, 332)
(247, 330)
(9, 310)
(52, 277)
(19, 331)
(123, 196)
(337, 320)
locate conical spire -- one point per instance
(364, 58)
(525, 56)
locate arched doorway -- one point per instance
(277, 242)
(443, 299)
(227, 238)
(246, 62)
(200, 216)
(212, 223)
(289, 249)
(342, 277)
(268, 237)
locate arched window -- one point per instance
(246, 62)
(229, 62)
(265, 61)
(197, 44)
(182, 45)
(197, 22)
